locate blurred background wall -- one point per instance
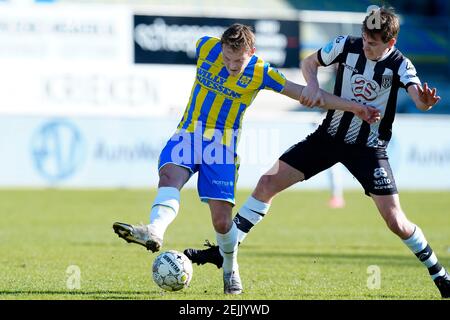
(90, 91)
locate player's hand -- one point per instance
(311, 96)
(368, 114)
(428, 96)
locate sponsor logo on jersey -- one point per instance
(363, 88)
(215, 83)
(352, 69)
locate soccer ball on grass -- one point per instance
(172, 270)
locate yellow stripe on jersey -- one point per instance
(231, 118)
(206, 48)
(227, 137)
(197, 109)
(213, 115)
(190, 104)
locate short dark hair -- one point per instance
(382, 21)
(239, 36)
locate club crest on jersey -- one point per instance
(363, 88)
(244, 81)
(386, 81)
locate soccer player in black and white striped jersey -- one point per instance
(371, 70)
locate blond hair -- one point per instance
(239, 36)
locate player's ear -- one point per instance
(252, 51)
(392, 42)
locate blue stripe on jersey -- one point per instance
(192, 106)
(238, 116)
(265, 76)
(206, 107)
(268, 81)
(223, 114)
(214, 52)
(248, 72)
(205, 66)
(237, 122)
(224, 73)
(200, 45)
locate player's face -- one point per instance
(236, 60)
(374, 48)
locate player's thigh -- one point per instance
(370, 166)
(177, 160)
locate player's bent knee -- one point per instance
(221, 225)
(221, 214)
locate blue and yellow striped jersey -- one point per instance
(218, 100)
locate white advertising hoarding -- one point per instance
(117, 152)
(67, 90)
(61, 32)
(70, 60)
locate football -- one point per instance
(172, 270)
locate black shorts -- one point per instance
(320, 151)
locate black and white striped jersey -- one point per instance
(374, 83)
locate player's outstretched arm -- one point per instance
(330, 101)
(424, 98)
(366, 113)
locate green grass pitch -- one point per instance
(302, 250)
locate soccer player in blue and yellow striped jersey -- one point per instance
(228, 78)
(221, 94)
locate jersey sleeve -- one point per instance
(408, 74)
(273, 79)
(332, 51)
(199, 45)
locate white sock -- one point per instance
(419, 246)
(164, 210)
(228, 246)
(251, 213)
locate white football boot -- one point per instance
(232, 282)
(140, 234)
